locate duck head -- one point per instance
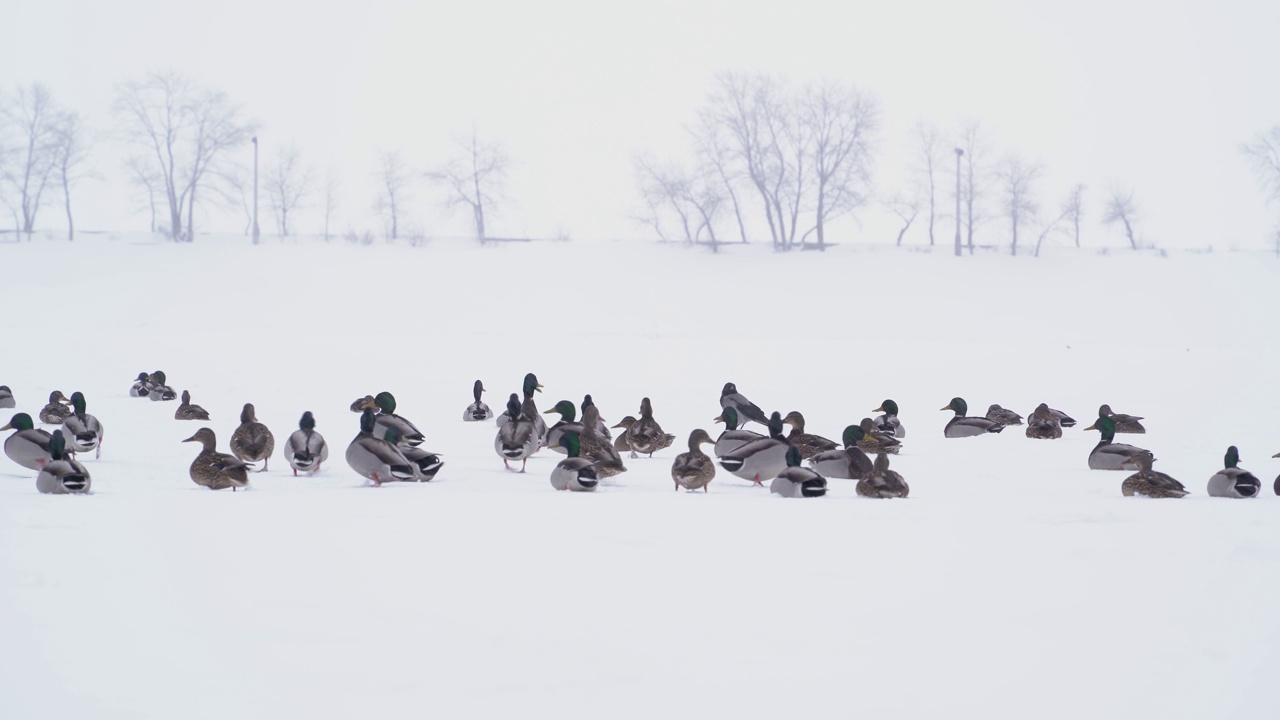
(565, 409)
(888, 407)
(19, 422)
(205, 437)
(958, 405)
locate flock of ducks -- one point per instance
(389, 448)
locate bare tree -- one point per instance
(142, 175)
(393, 181)
(186, 132)
(715, 154)
(72, 146)
(838, 123)
(907, 208)
(1018, 178)
(748, 107)
(288, 183)
(1122, 209)
(973, 187)
(930, 162)
(1073, 209)
(236, 187)
(476, 178)
(331, 188)
(34, 118)
(1263, 153)
(694, 201)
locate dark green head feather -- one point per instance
(531, 385)
(513, 406)
(730, 417)
(1232, 457)
(77, 402)
(367, 421)
(57, 445)
(571, 443)
(775, 424)
(21, 421)
(889, 407)
(566, 410)
(308, 421)
(852, 435)
(386, 402)
(793, 456)
(392, 436)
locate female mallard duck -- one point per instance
(645, 435)
(694, 469)
(1043, 424)
(849, 462)
(158, 388)
(27, 446)
(361, 403)
(1006, 417)
(876, 441)
(961, 426)
(1131, 424)
(215, 470)
(6, 397)
(762, 459)
(1108, 455)
(573, 473)
(732, 437)
(567, 423)
(141, 386)
(56, 412)
(517, 438)
(597, 448)
(305, 449)
(889, 421)
(1150, 483)
(1232, 481)
(187, 411)
(62, 475)
(477, 410)
(252, 441)
(883, 482)
(795, 481)
(378, 459)
(82, 429)
(808, 444)
(747, 410)
(387, 418)
(602, 427)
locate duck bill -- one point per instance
(945, 407)
(718, 419)
(879, 409)
(10, 427)
(1095, 427)
(190, 439)
(615, 427)
(552, 411)
(537, 388)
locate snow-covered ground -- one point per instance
(1014, 583)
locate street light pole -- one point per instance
(959, 153)
(255, 193)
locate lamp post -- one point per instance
(959, 154)
(255, 194)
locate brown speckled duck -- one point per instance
(187, 411)
(252, 441)
(807, 443)
(694, 469)
(215, 470)
(56, 412)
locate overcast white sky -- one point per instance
(1156, 96)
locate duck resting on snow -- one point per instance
(477, 410)
(963, 426)
(1233, 481)
(1109, 455)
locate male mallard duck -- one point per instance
(961, 426)
(762, 459)
(747, 410)
(732, 437)
(477, 410)
(387, 418)
(62, 475)
(645, 435)
(187, 411)
(597, 448)
(1232, 481)
(602, 427)
(215, 470)
(517, 438)
(530, 409)
(82, 429)
(849, 462)
(567, 423)
(808, 443)
(1108, 455)
(305, 449)
(1064, 419)
(694, 469)
(883, 482)
(573, 473)
(252, 441)
(361, 403)
(997, 414)
(158, 388)
(56, 412)
(1043, 424)
(1150, 483)
(795, 481)
(875, 441)
(27, 446)
(889, 421)
(1124, 423)
(6, 397)
(378, 459)
(428, 463)
(141, 386)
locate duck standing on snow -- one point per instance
(477, 410)
(795, 481)
(27, 446)
(645, 435)
(849, 462)
(1001, 415)
(56, 412)
(889, 421)
(305, 449)
(1150, 483)
(187, 411)
(517, 437)
(747, 410)
(82, 429)
(807, 443)
(1124, 423)
(597, 447)
(694, 469)
(158, 388)
(567, 423)
(762, 459)
(378, 459)
(732, 438)
(601, 427)
(62, 475)
(1108, 455)
(141, 386)
(574, 472)
(1043, 424)
(1233, 481)
(252, 441)
(882, 482)
(6, 398)
(387, 418)
(962, 426)
(530, 409)
(215, 470)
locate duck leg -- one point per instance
(506, 464)
(523, 462)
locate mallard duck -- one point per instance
(56, 412)
(141, 386)
(1276, 487)
(1233, 481)
(387, 418)
(1064, 419)
(1006, 417)
(1149, 483)
(694, 469)
(762, 459)
(795, 481)
(747, 410)
(602, 427)
(1043, 424)
(530, 409)
(27, 446)
(187, 411)
(1108, 455)
(305, 449)
(158, 388)
(882, 482)
(807, 443)
(645, 435)
(567, 423)
(62, 475)
(597, 448)
(573, 473)
(876, 441)
(961, 426)
(1131, 424)
(360, 404)
(6, 397)
(215, 470)
(252, 441)
(623, 442)
(517, 438)
(83, 430)
(477, 410)
(378, 459)
(889, 421)
(427, 463)
(849, 462)
(732, 437)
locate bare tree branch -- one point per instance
(475, 179)
(1121, 208)
(34, 115)
(1017, 178)
(288, 183)
(393, 179)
